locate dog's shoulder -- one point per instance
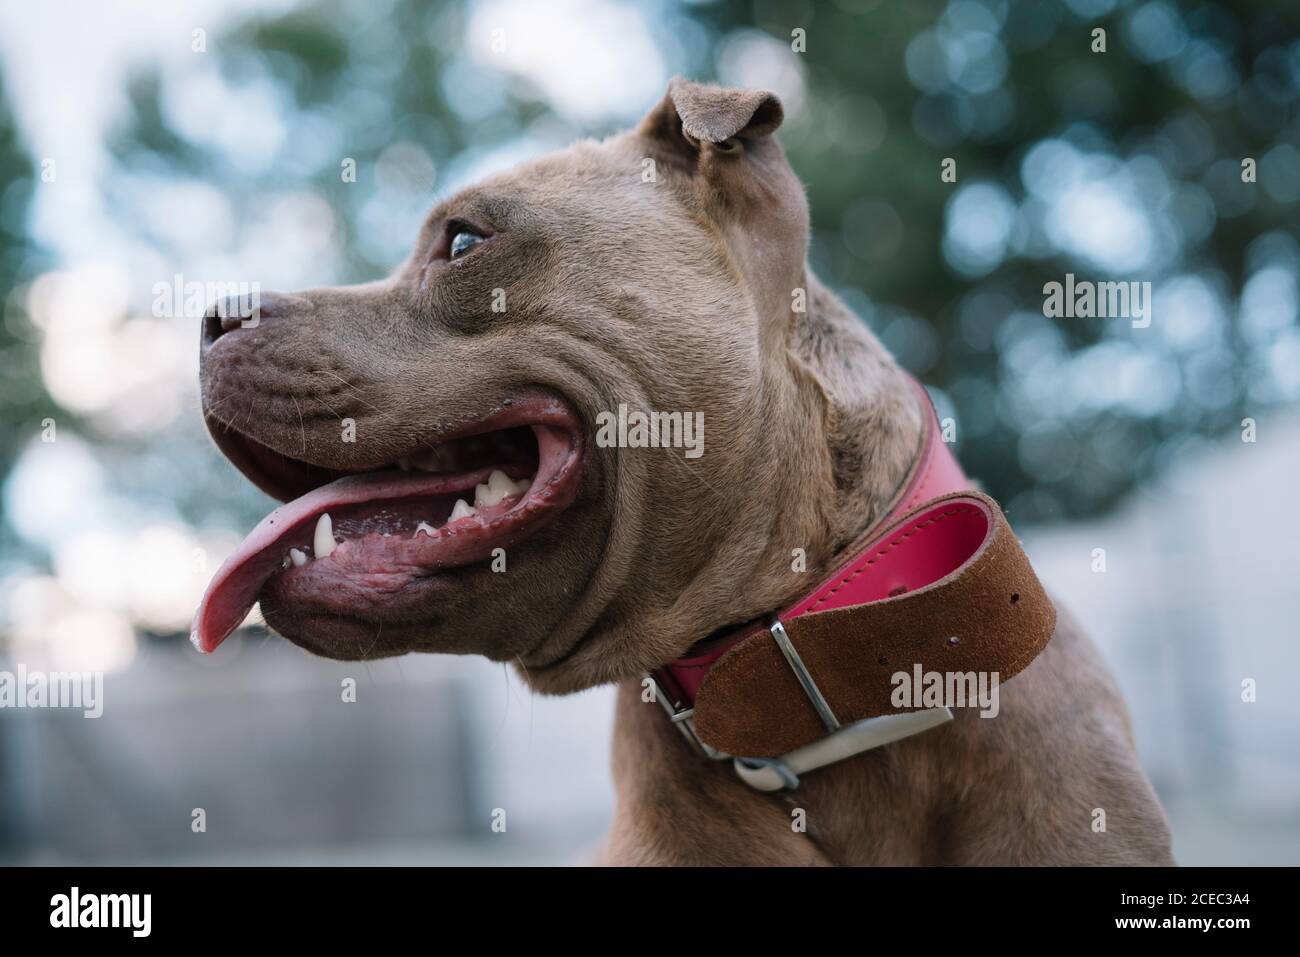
(1060, 761)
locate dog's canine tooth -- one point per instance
(523, 485)
(462, 509)
(323, 543)
(426, 528)
(298, 557)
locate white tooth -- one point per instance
(461, 509)
(323, 543)
(426, 528)
(500, 483)
(298, 557)
(522, 486)
(497, 488)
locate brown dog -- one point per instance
(662, 269)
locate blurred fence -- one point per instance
(1196, 598)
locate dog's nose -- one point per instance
(239, 312)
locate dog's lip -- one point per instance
(235, 587)
(287, 475)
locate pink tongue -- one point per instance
(234, 588)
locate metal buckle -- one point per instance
(776, 774)
(683, 718)
(809, 686)
(782, 773)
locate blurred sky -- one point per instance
(65, 104)
(65, 101)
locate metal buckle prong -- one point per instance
(682, 718)
(805, 679)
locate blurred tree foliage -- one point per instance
(23, 401)
(889, 91)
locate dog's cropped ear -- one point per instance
(695, 123)
(721, 139)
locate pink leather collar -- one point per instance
(931, 555)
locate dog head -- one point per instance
(452, 420)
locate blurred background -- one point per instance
(139, 141)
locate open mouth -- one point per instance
(349, 542)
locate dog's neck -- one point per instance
(844, 424)
(853, 404)
(836, 426)
(862, 407)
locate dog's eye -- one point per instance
(462, 241)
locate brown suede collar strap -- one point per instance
(985, 613)
(942, 585)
